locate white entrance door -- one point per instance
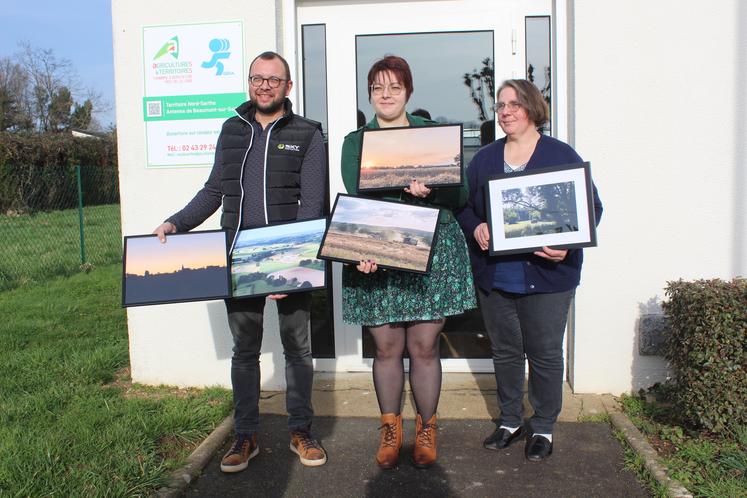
(457, 50)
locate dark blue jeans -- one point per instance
(245, 321)
(531, 326)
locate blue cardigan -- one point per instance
(540, 275)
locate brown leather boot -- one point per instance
(424, 454)
(391, 440)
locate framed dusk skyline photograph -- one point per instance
(545, 207)
(278, 259)
(190, 266)
(392, 157)
(396, 235)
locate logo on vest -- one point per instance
(290, 147)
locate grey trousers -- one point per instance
(245, 321)
(531, 326)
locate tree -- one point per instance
(39, 91)
(481, 86)
(557, 201)
(14, 112)
(58, 115)
(82, 115)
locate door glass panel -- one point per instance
(314, 42)
(538, 58)
(453, 79)
(452, 74)
(313, 39)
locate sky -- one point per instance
(411, 146)
(194, 250)
(265, 234)
(384, 214)
(77, 30)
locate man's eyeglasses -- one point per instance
(512, 106)
(273, 81)
(394, 89)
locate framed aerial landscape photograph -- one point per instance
(546, 207)
(278, 259)
(395, 235)
(392, 157)
(190, 266)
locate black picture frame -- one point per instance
(522, 220)
(190, 266)
(289, 249)
(393, 232)
(430, 145)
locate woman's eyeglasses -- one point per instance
(394, 89)
(512, 106)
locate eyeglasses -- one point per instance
(512, 106)
(394, 89)
(273, 81)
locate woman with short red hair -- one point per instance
(400, 309)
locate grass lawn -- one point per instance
(708, 465)
(47, 244)
(71, 424)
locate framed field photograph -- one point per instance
(395, 235)
(190, 266)
(278, 259)
(546, 207)
(392, 157)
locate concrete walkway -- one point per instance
(587, 460)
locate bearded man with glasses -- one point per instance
(269, 168)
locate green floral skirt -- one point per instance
(391, 296)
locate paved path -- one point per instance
(587, 462)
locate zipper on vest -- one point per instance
(241, 183)
(264, 166)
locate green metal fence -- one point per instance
(69, 225)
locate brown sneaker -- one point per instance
(391, 440)
(424, 454)
(244, 448)
(308, 449)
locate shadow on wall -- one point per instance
(648, 366)
(272, 361)
(740, 149)
(222, 340)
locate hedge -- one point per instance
(707, 350)
(37, 171)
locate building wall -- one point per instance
(660, 113)
(179, 344)
(657, 105)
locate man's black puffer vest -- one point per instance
(289, 139)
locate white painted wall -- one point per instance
(659, 93)
(179, 344)
(660, 113)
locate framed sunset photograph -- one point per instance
(544, 207)
(396, 235)
(392, 157)
(278, 259)
(190, 266)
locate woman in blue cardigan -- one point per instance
(524, 297)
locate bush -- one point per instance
(707, 350)
(37, 171)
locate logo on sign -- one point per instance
(170, 47)
(219, 47)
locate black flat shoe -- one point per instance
(537, 448)
(503, 438)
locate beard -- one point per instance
(274, 106)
